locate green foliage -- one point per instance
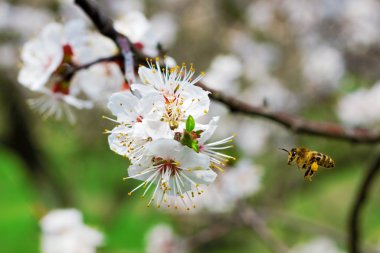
(190, 124)
(18, 207)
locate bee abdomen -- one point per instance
(326, 161)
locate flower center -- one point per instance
(170, 167)
(139, 118)
(61, 87)
(173, 111)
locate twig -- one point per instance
(354, 236)
(255, 222)
(71, 70)
(209, 234)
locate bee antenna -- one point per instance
(284, 150)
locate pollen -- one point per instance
(314, 167)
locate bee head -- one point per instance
(291, 154)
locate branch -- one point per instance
(256, 223)
(354, 242)
(291, 122)
(294, 123)
(105, 27)
(209, 234)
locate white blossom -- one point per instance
(224, 73)
(56, 104)
(261, 14)
(161, 239)
(323, 67)
(212, 149)
(63, 231)
(168, 156)
(138, 125)
(99, 81)
(359, 108)
(27, 20)
(361, 23)
(317, 245)
(165, 27)
(147, 35)
(257, 57)
(270, 92)
(175, 170)
(138, 29)
(179, 97)
(237, 182)
(46, 58)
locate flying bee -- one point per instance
(309, 160)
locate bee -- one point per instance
(309, 160)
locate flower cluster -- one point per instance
(49, 59)
(157, 130)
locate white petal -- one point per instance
(189, 159)
(157, 129)
(152, 77)
(196, 102)
(117, 139)
(143, 90)
(209, 130)
(123, 106)
(165, 148)
(204, 177)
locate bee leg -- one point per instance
(308, 174)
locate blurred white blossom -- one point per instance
(235, 183)
(138, 29)
(164, 26)
(161, 239)
(317, 245)
(323, 67)
(258, 58)
(361, 21)
(147, 35)
(271, 93)
(63, 231)
(99, 81)
(23, 19)
(245, 129)
(360, 108)
(223, 74)
(46, 58)
(260, 14)
(303, 15)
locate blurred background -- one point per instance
(316, 59)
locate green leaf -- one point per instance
(194, 145)
(190, 124)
